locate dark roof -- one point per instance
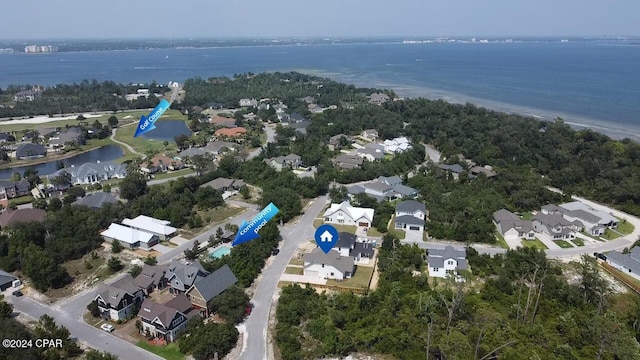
(150, 275)
(404, 190)
(411, 206)
(390, 180)
(180, 303)
(456, 168)
(30, 150)
(297, 117)
(504, 215)
(187, 273)
(219, 183)
(630, 261)
(5, 277)
(332, 258)
(113, 294)
(408, 219)
(215, 283)
(345, 240)
(11, 217)
(96, 200)
(365, 249)
(165, 312)
(438, 256)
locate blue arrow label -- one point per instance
(249, 231)
(146, 123)
(326, 237)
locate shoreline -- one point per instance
(613, 130)
(45, 160)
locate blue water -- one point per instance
(582, 81)
(105, 153)
(168, 130)
(220, 252)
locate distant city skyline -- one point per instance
(81, 19)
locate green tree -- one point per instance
(116, 247)
(133, 186)
(150, 260)
(97, 355)
(55, 204)
(114, 264)
(93, 309)
(16, 177)
(112, 121)
(135, 270)
(231, 305)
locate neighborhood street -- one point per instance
(293, 236)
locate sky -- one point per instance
(42, 19)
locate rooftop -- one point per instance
(126, 234)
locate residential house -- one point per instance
(204, 290)
(378, 98)
(182, 275)
(6, 280)
(166, 321)
(349, 245)
(218, 147)
(129, 238)
(315, 108)
(248, 103)
(116, 301)
(224, 184)
(151, 278)
(447, 262)
(345, 214)
(328, 266)
(372, 152)
(627, 263)
(348, 161)
(410, 216)
(299, 123)
(336, 142)
(384, 190)
(191, 152)
(157, 227)
(223, 121)
(511, 227)
(4, 200)
(579, 210)
(554, 227)
(230, 132)
(455, 170)
(90, 173)
(487, 170)
(370, 135)
(397, 145)
(30, 151)
(27, 95)
(14, 189)
(4, 137)
(308, 99)
(12, 217)
(161, 163)
(70, 135)
(96, 200)
(291, 161)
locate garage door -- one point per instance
(311, 273)
(415, 228)
(363, 224)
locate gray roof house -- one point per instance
(555, 227)
(383, 191)
(151, 277)
(206, 289)
(291, 161)
(90, 173)
(116, 300)
(96, 200)
(410, 216)
(328, 266)
(511, 227)
(224, 184)
(6, 280)
(372, 152)
(30, 151)
(191, 152)
(370, 134)
(70, 135)
(390, 180)
(166, 321)
(455, 169)
(182, 275)
(627, 263)
(447, 262)
(344, 161)
(218, 147)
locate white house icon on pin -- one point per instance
(326, 236)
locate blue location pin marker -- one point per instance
(326, 237)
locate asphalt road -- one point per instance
(293, 236)
(271, 137)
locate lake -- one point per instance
(168, 130)
(105, 153)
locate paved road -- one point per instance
(293, 236)
(271, 137)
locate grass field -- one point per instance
(169, 352)
(142, 145)
(21, 200)
(293, 270)
(398, 233)
(341, 228)
(578, 242)
(536, 244)
(563, 244)
(501, 241)
(625, 227)
(610, 234)
(296, 262)
(172, 174)
(359, 280)
(527, 216)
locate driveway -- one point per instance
(162, 249)
(412, 235)
(179, 240)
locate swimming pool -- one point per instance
(220, 252)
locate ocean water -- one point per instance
(587, 83)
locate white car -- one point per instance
(107, 327)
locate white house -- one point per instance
(158, 227)
(590, 217)
(410, 216)
(248, 102)
(128, 237)
(328, 266)
(554, 227)
(511, 227)
(345, 214)
(447, 262)
(397, 145)
(91, 173)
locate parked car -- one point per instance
(247, 310)
(600, 256)
(17, 293)
(275, 252)
(107, 327)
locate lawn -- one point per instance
(359, 280)
(625, 227)
(527, 216)
(141, 144)
(341, 228)
(293, 270)
(593, 237)
(169, 352)
(21, 200)
(578, 242)
(296, 262)
(374, 232)
(536, 244)
(610, 234)
(172, 174)
(501, 241)
(400, 234)
(563, 244)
